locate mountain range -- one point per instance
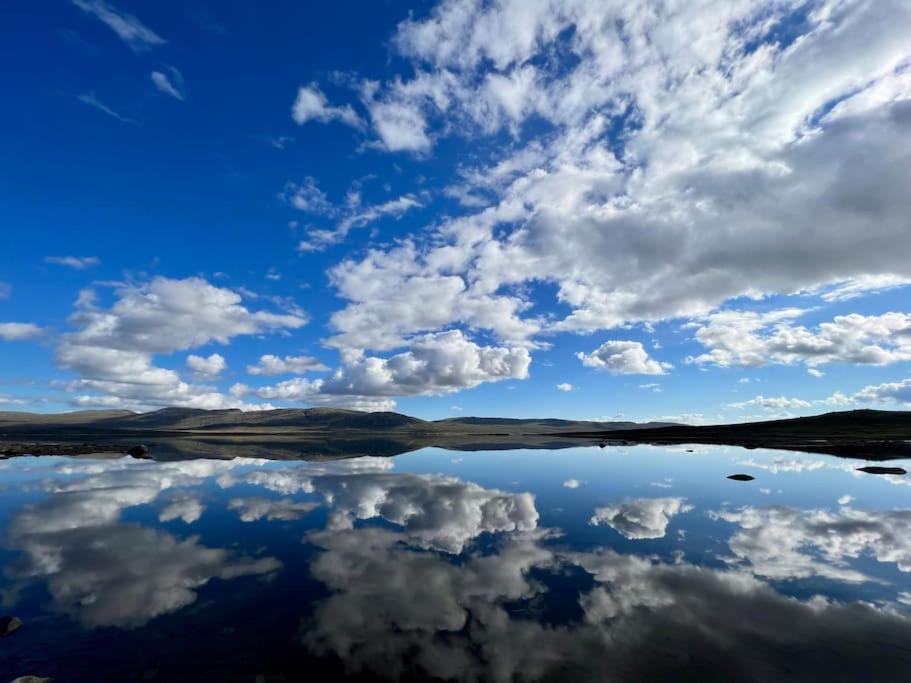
(331, 432)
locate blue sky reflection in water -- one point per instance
(616, 564)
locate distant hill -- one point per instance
(284, 420)
(875, 434)
(333, 432)
(549, 423)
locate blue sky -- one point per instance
(566, 208)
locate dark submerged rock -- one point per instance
(140, 451)
(876, 469)
(9, 624)
(741, 477)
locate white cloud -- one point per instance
(127, 27)
(170, 83)
(112, 350)
(356, 215)
(391, 608)
(311, 105)
(436, 512)
(284, 509)
(94, 102)
(434, 364)
(351, 214)
(572, 484)
(564, 386)
(640, 518)
(401, 127)
(772, 403)
(783, 543)
(271, 365)
(623, 358)
(19, 331)
(74, 262)
(785, 465)
(211, 366)
(100, 574)
(611, 199)
(184, 507)
(389, 294)
(744, 338)
(888, 392)
(308, 197)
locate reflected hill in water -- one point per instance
(870, 434)
(328, 433)
(283, 434)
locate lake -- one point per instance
(615, 564)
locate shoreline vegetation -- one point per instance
(325, 433)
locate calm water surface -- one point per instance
(621, 564)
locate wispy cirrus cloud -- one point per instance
(170, 82)
(92, 101)
(128, 28)
(74, 262)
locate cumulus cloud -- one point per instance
(745, 338)
(785, 465)
(128, 28)
(440, 513)
(400, 126)
(112, 349)
(886, 393)
(74, 262)
(19, 331)
(564, 386)
(434, 364)
(109, 573)
(641, 517)
(271, 365)
(170, 82)
(184, 507)
(211, 366)
(623, 358)
(389, 294)
(284, 509)
(614, 202)
(392, 609)
(102, 575)
(311, 105)
(784, 543)
(772, 403)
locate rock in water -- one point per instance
(141, 451)
(876, 469)
(33, 679)
(741, 477)
(9, 624)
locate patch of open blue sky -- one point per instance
(102, 163)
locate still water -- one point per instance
(617, 564)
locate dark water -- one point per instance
(633, 564)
